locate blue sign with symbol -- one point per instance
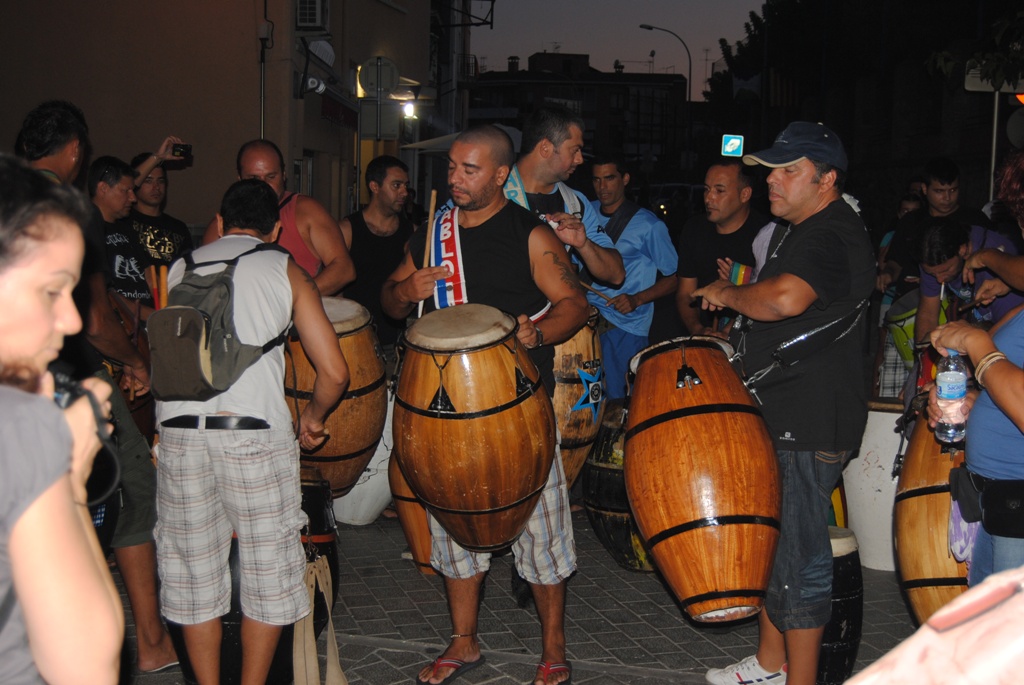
(732, 146)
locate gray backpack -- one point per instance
(194, 350)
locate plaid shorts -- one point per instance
(213, 482)
(545, 553)
(892, 374)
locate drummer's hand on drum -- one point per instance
(711, 295)
(420, 285)
(625, 303)
(312, 433)
(527, 333)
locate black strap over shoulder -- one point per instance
(618, 221)
(191, 263)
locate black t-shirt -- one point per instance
(700, 245)
(126, 261)
(162, 238)
(819, 402)
(375, 258)
(496, 270)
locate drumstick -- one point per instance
(970, 305)
(163, 286)
(596, 292)
(430, 235)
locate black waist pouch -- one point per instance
(965, 492)
(1002, 508)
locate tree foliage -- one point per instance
(999, 55)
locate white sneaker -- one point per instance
(745, 672)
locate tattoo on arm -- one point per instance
(310, 282)
(566, 272)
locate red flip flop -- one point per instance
(547, 668)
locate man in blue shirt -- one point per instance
(650, 262)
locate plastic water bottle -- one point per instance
(951, 387)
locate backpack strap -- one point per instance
(191, 264)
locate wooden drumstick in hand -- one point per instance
(427, 244)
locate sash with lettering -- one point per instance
(446, 250)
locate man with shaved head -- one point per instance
(496, 253)
(309, 233)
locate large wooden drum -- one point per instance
(413, 518)
(929, 574)
(702, 477)
(357, 423)
(604, 493)
(579, 396)
(474, 430)
(841, 637)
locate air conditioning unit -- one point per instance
(312, 15)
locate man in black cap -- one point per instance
(819, 270)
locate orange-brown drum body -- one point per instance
(413, 518)
(357, 423)
(929, 574)
(702, 477)
(578, 396)
(474, 429)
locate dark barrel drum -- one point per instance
(604, 494)
(929, 574)
(578, 398)
(702, 477)
(474, 429)
(413, 518)
(356, 424)
(320, 538)
(841, 638)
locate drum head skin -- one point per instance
(345, 315)
(465, 327)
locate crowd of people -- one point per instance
(78, 280)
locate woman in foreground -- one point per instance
(61, 619)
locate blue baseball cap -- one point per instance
(802, 140)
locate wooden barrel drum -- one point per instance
(357, 423)
(474, 430)
(702, 477)
(578, 396)
(929, 574)
(604, 494)
(841, 639)
(413, 517)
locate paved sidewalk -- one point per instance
(621, 626)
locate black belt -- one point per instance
(217, 422)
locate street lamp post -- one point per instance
(689, 81)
